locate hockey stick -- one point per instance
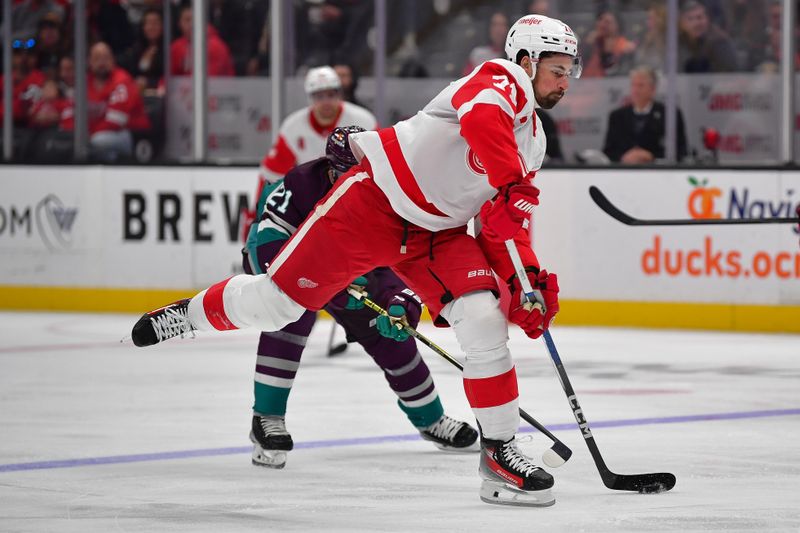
(643, 483)
(614, 212)
(554, 457)
(339, 348)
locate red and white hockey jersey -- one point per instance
(301, 138)
(440, 166)
(116, 105)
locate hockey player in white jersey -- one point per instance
(303, 134)
(472, 151)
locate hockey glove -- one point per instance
(392, 325)
(511, 208)
(525, 315)
(353, 303)
(411, 304)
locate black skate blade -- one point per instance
(644, 483)
(338, 349)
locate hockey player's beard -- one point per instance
(550, 100)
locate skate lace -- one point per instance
(172, 323)
(272, 425)
(517, 460)
(445, 428)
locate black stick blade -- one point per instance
(609, 208)
(617, 214)
(643, 483)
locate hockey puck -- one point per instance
(652, 488)
(552, 459)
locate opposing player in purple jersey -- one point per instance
(282, 207)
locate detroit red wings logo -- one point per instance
(305, 283)
(474, 164)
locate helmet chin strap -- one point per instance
(534, 63)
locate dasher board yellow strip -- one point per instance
(767, 318)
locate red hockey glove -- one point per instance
(530, 318)
(513, 205)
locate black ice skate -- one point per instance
(452, 435)
(270, 441)
(162, 324)
(510, 478)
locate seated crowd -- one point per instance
(125, 71)
(126, 62)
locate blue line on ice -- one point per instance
(337, 443)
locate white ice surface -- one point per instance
(69, 390)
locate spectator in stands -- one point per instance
(25, 17)
(703, 46)
(651, 51)
(498, 29)
(747, 23)
(239, 24)
(145, 61)
(108, 22)
(716, 12)
(115, 108)
(50, 44)
(220, 62)
(349, 77)
(46, 112)
(635, 133)
(770, 60)
(541, 7)
(332, 31)
(66, 77)
(26, 87)
(606, 52)
(258, 63)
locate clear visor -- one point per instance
(574, 71)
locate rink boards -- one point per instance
(127, 239)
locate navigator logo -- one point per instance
(49, 218)
(54, 222)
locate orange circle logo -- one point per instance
(701, 202)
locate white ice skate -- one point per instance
(510, 478)
(270, 441)
(451, 435)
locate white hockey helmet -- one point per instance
(321, 79)
(536, 34)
